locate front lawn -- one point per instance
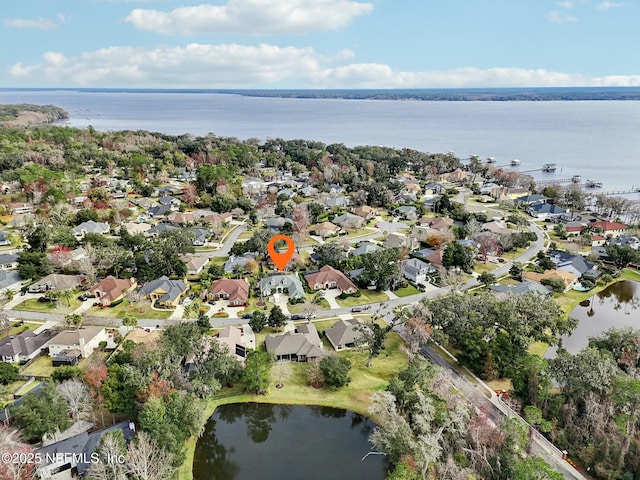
(34, 305)
(407, 291)
(366, 297)
(122, 310)
(355, 397)
(322, 304)
(20, 327)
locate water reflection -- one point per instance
(274, 442)
(613, 307)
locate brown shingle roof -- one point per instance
(235, 289)
(328, 274)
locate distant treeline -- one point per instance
(459, 95)
(48, 113)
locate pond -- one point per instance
(250, 441)
(617, 306)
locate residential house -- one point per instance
(9, 278)
(623, 241)
(424, 253)
(72, 457)
(365, 211)
(200, 236)
(417, 271)
(157, 230)
(408, 212)
(19, 208)
(4, 239)
(521, 288)
(253, 185)
(489, 188)
(303, 345)
(400, 240)
(195, 263)
(528, 200)
(567, 278)
(543, 211)
(338, 202)
(434, 188)
(576, 264)
(499, 227)
(435, 258)
(405, 198)
(574, 228)
(135, 228)
(411, 188)
(424, 234)
(24, 346)
(442, 224)
(288, 284)
(85, 339)
(365, 247)
(457, 176)
(328, 277)
(237, 340)
(8, 261)
(146, 203)
(170, 201)
(287, 192)
(613, 229)
(179, 218)
(236, 292)
(344, 334)
(111, 289)
(164, 292)
(98, 228)
(309, 191)
(277, 224)
(57, 282)
(325, 229)
(348, 220)
(237, 262)
(159, 211)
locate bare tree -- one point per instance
(76, 394)
(111, 464)
(5, 324)
(282, 372)
(314, 374)
(146, 460)
(22, 466)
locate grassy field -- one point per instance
(298, 307)
(407, 291)
(41, 367)
(120, 311)
(355, 397)
(367, 296)
(33, 305)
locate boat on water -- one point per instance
(576, 178)
(515, 162)
(593, 184)
(491, 160)
(549, 167)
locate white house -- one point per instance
(85, 340)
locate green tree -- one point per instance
(487, 278)
(277, 319)
(381, 269)
(335, 370)
(516, 271)
(33, 265)
(65, 372)
(457, 255)
(371, 339)
(258, 321)
(119, 392)
(203, 321)
(73, 319)
(41, 413)
(622, 256)
(38, 239)
(129, 321)
(257, 372)
(533, 416)
(8, 373)
(534, 468)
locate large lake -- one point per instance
(253, 441)
(596, 139)
(616, 306)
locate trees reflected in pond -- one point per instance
(269, 442)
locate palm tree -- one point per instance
(129, 321)
(66, 295)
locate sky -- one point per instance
(306, 44)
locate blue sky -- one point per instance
(319, 43)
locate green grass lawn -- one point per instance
(41, 367)
(482, 267)
(20, 327)
(513, 253)
(355, 397)
(218, 260)
(120, 311)
(367, 296)
(407, 291)
(323, 304)
(33, 305)
(538, 348)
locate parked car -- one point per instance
(247, 316)
(82, 297)
(360, 309)
(298, 316)
(211, 302)
(187, 301)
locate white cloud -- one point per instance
(567, 4)
(269, 66)
(39, 23)
(560, 17)
(252, 17)
(607, 5)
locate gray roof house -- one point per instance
(545, 210)
(277, 223)
(521, 289)
(75, 452)
(8, 260)
(160, 210)
(164, 290)
(9, 278)
(90, 226)
(417, 271)
(365, 247)
(303, 345)
(576, 264)
(56, 281)
(343, 334)
(338, 202)
(23, 346)
(231, 263)
(200, 236)
(408, 212)
(348, 220)
(158, 229)
(4, 239)
(288, 284)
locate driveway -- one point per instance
(330, 296)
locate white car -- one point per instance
(187, 301)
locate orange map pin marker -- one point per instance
(280, 259)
